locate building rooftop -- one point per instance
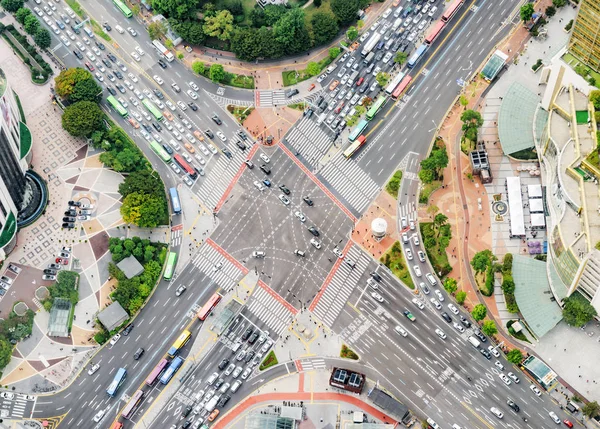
(494, 65)
(130, 267)
(112, 316)
(515, 119)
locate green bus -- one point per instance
(171, 262)
(160, 151)
(114, 103)
(123, 8)
(376, 107)
(152, 109)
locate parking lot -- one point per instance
(283, 227)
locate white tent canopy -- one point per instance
(515, 205)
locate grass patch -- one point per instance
(98, 30)
(427, 190)
(437, 256)
(393, 185)
(292, 77)
(23, 118)
(73, 4)
(269, 361)
(310, 10)
(593, 159)
(394, 260)
(348, 353)
(240, 113)
(232, 79)
(518, 335)
(298, 106)
(574, 62)
(525, 154)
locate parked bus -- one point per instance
(152, 109)
(417, 56)
(375, 108)
(358, 130)
(160, 151)
(132, 404)
(170, 269)
(389, 89)
(209, 306)
(117, 382)
(435, 32)
(451, 11)
(171, 370)
(179, 343)
(175, 203)
(400, 89)
(162, 51)
(123, 8)
(114, 103)
(187, 167)
(157, 371)
(353, 148)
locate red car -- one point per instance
(65, 261)
(568, 423)
(89, 66)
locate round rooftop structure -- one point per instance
(379, 227)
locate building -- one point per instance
(15, 155)
(585, 38)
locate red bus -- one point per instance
(401, 87)
(209, 306)
(435, 32)
(132, 404)
(451, 11)
(158, 369)
(187, 167)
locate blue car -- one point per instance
(267, 183)
(60, 24)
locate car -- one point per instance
(158, 94)
(435, 303)
(99, 416)
(480, 335)
(132, 32)
(136, 56)
(128, 329)
(440, 333)
(223, 364)
(265, 169)
(121, 88)
(464, 321)
(249, 356)
(505, 379)
(567, 423)
(93, 369)
(315, 243)
(192, 94)
(49, 271)
(485, 353)
(115, 339)
(405, 238)
(439, 295)
(111, 90)
(181, 289)
(513, 405)
(409, 316)
(89, 66)
(77, 54)
(221, 136)
(408, 253)
(48, 277)
(535, 390)
(314, 231)
(458, 327)
(401, 331)
(284, 189)
(493, 351)
(376, 296)
(421, 256)
(453, 308)
(110, 77)
(213, 415)
(284, 199)
(71, 213)
(240, 144)
(499, 365)
(495, 411)
(308, 201)
(337, 252)
(246, 373)
(193, 106)
(513, 377)
(446, 317)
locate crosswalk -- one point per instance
(224, 101)
(341, 286)
(350, 182)
(270, 311)
(312, 364)
(266, 98)
(310, 140)
(176, 238)
(408, 211)
(18, 407)
(224, 272)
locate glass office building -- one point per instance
(585, 39)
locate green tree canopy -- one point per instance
(191, 31)
(577, 311)
(489, 328)
(217, 73)
(86, 90)
(352, 33)
(559, 3)
(12, 5)
(482, 260)
(514, 356)
(219, 25)
(42, 38)
(479, 312)
(5, 352)
(335, 52)
(157, 30)
(595, 99)
(143, 182)
(290, 31)
(81, 119)
(144, 210)
(317, 3)
(274, 13)
(198, 67)
(461, 295)
(313, 68)
(21, 14)
(591, 409)
(400, 57)
(346, 11)
(450, 285)
(31, 24)
(382, 79)
(508, 285)
(527, 12)
(65, 82)
(257, 17)
(179, 9)
(471, 119)
(324, 26)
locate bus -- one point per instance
(417, 56)
(160, 151)
(358, 130)
(157, 371)
(123, 8)
(353, 148)
(152, 109)
(117, 425)
(435, 32)
(170, 269)
(400, 89)
(114, 103)
(187, 167)
(179, 343)
(132, 404)
(209, 306)
(162, 51)
(376, 107)
(171, 370)
(394, 83)
(119, 379)
(451, 11)
(175, 203)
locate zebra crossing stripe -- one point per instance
(329, 277)
(237, 176)
(278, 297)
(226, 255)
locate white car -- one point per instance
(265, 158)
(421, 256)
(114, 339)
(409, 254)
(188, 181)
(535, 390)
(70, 12)
(146, 135)
(159, 104)
(554, 417)
(136, 56)
(300, 216)
(505, 379)
(453, 308)
(404, 238)
(170, 105)
(495, 411)
(133, 77)
(175, 168)
(38, 11)
(499, 365)
(418, 303)
(7, 395)
(194, 86)
(85, 40)
(338, 253)
(100, 67)
(221, 136)
(417, 271)
(132, 32)
(284, 199)
(136, 115)
(439, 295)
(179, 127)
(182, 105)
(138, 94)
(432, 11)
(128, 84)
(376, 296)
(458, 327)
(435, 303)
(513, 377)
(90, 55)
(192, 94)
(71, 35)
(65, 41)
(493, 351)
(99, 415)
(93, 369)
(96, 51)
(177, 135)
(258, 185)
(440, 333)
(100, 77)
(139, 50)
(315, 243)
(213, 149)
(401, 331)
(158, 79)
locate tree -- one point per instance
(550, 11)
(324, 26)
(82, 119)
(142, 182)
(345, 11)
(595, 99)
(219, 25)
(257, 17)
(86, 90)
(157, 30)
(591, 409)
(577, 311)
(217, 73)
(439, 220)
(463, 100)
(42, 38)
(481, 260)
(21, 14)
(290, 31)
(382, 79)
(527, 12)
(31, 24)
(432, 210)
(559, 3)
(461, 295)
(179, 9)
(191, 31)
(274, 13)
(352, 33)
(5, 352)
(235, 7)
(317, 3)
(360, 23)
(471, 119)
(400, 58)
(313, 68)
(508, 285)
(450, 285)
(12, 6)
(144, 210)
(335, 52)
(479, 312)
(198, 67)
(514, 356)
(429, 242)
(426, 176)
(489, 328)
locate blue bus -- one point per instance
(417, 56)
(119, 379)
(358, 130)
(175, 203)
(171, 370)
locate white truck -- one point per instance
(371, 43)
(474, 342)
(212, 403)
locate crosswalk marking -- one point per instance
(310, 140)
(268, 98)
(270, 311)
(341, 286)
(311, 364)
(409, 211)
(350, 181)
(224, 101)
(227, 276)
(176, 237)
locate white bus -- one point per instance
(164, 52)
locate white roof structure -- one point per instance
(534, 191)
(536, 205)
(515, 206)
(538, 220)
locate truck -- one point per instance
(369, 58)
(212, 403)
(474, 342)
(371, 43)
(353, 78)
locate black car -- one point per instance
(186, 411)
(162, 64)
(111, 90)
(74, 203)
(241, 145)
(156, 126)
(209, 133)
(106, 63)
(446, 317)
(167, 148)
(128, 329)
(242, 135)
(308, 113)
(265, 169)
(227, 153)
(291, 92)
(147, 128)
(482, 337)
(284, 189)
(112, 58)
(216, 119)
(121, 88)
(106, 26)
(77, 54)
(71, 213)
(308, 201)
(118, 74)
(314, 231)
(512, 405)
(68, 225)
(249, 163)
(376, 276)
(247, 334)
(193, 106)
(158, 94)
(320, 100)
(69, 219)
(100, 46)
(249, 356)
(50, 271)
(186, 425)
(487, 354)
(342, 126)
(464, 321)
(378, 56)
(224, 400)
(253, 338)
(219, 383)
(223, 364)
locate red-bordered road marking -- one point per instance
(227, 256)
(177, 227)
(329, 277)
(317, 182)
(298, 365)
(235, 179)
(278, 297)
